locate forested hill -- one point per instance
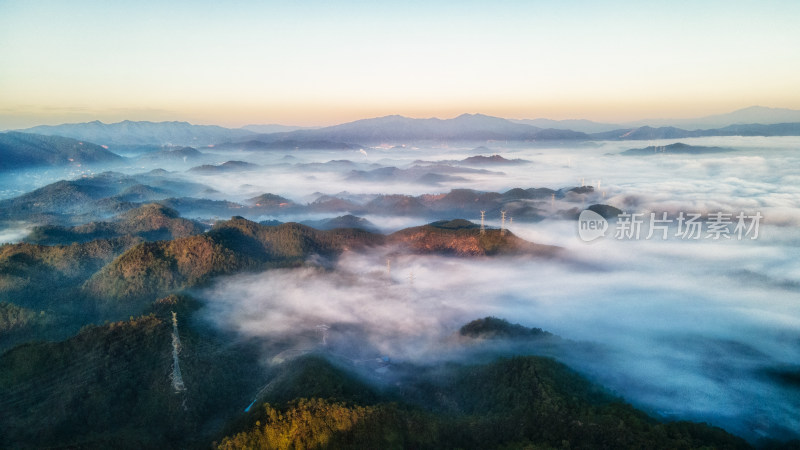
(109, 387)
(120, 270)
(463, 238)
(150, 222)
(21, 150)
(157, 268)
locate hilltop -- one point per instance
(150, 222)
(42, 276)
(395, 128)
(156, 268)
(227, 166)
(463, 238)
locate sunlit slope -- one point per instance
(463, 238)
(153, 268)
(156, 268)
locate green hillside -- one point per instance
(150, 222)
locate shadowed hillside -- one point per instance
(522, 402)
(19, 150)
(110, 386)
(43, 276)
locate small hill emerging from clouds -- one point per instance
(269, 200)
(21, 150)
(173, 154)
(607, 211)
(495, 328)
(463, 238)
(346, 221)
(227, 166)
(677, 148)
(491, 160)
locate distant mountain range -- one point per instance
(466, 127)
(647, 132)
(291, 144)
(143, 133)
(751, 115)
(581, 125)
(753, 121)
(478, 127)
(272, 128)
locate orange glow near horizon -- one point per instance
(309, 115)
(251, 62)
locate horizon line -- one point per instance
(637, 122)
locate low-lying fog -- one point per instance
(687, 330)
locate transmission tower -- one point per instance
(323, 329)
(502, 222)
(388, 268)
(177, 378)
(483, 228)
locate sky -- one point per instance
(319, 62)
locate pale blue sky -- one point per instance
(315, 62)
